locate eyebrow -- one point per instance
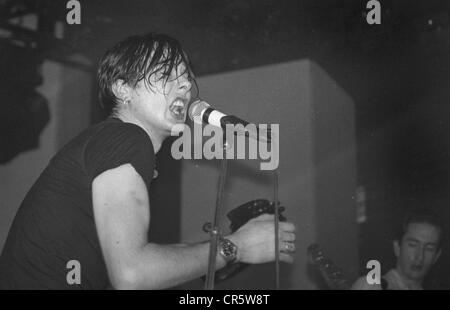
(409, 239)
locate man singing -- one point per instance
(91, 203)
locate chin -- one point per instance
(416, 275)
(177, 122)
(177, 128)
(174, 119)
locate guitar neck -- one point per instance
(333, 275)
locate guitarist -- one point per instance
(417, 249)
(91, 204)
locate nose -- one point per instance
(184, 84)
(419, 255)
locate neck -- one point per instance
(411, 283)
(156, 137)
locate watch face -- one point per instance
(228, 250)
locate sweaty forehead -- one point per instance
(422, 232)
(180, 68)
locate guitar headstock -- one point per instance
(332, 274)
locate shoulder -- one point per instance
(362, 284)
(114, 136)
(116, 143)
(114, 130)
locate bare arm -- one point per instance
(122, 216)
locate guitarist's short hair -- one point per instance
(421, 216)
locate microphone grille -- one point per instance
(196, 109)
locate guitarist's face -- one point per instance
(418, 250)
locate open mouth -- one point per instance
(178, 109)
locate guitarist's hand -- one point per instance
(256, 240)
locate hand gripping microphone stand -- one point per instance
(215, 230)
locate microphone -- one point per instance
(201, 112)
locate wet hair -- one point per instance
(421, 216)
(138, 58)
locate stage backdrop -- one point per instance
(68, 92)
(317, 176)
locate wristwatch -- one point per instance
(228, 250)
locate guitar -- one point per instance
(238, 217)
(332, 274)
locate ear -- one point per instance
(437, 256)
(121, 90)
(396, 245)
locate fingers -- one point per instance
(262, 227)
(287, 250)
(286, 236)
(287, 247)
(284, 226)
(287, 258)
(287, 227)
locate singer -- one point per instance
(90, 206)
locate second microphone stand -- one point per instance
(215, 230)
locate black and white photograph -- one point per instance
(239, 146)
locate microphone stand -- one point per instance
(277, 222)
(276, 212)
(215, 230)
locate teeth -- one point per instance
(178, 103)
(177, 107)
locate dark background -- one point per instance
(398, 74)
